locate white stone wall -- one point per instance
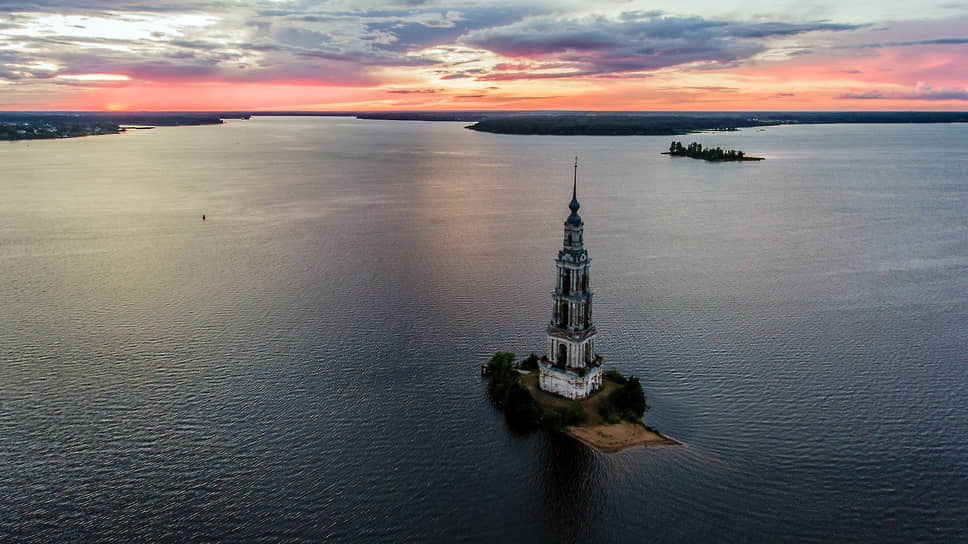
(569, 384)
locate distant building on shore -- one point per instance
(571, 368)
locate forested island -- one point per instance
(609, 124)
(609, 420)
(49, 125)
(36, 129)
(679, 123)
(695, 150)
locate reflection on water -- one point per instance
(571, 486)
(302, 365)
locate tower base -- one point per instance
(569, 383)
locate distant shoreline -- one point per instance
(16, 126)
(677, 124)
(25, 125)
(636, 123)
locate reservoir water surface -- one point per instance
(303, 364)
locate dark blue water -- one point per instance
(302, 366)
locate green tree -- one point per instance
(530, 363)
(520, 409)
(629, 398)
(615, 376)
(510, 394)
(575, 413)
(501, 370)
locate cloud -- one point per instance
(868, 95)
(334, 42)
(406, 43)
(102, 6)
(631, 42)
(923, 91)
(164, 46)
(512, 76)
(396, 30)
(411, 91)
(934, 41)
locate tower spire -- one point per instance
(574, 205)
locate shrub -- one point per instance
(615, 376)
(574, 414)
(500, 362)
(510, 394)
(627, 401)
(629, 398)
(502, 374)
(607, 410)
(520, 409)
(557, 419)
(531, 363)
(552, 420)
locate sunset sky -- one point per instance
(563, 54)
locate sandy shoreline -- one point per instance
(618, 437)
(594, 432)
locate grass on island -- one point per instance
(609, 420)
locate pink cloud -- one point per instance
(922, 91)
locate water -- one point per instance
(302, 365)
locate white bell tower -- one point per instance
(571, 368)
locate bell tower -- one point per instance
(571, 368)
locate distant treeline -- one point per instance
(608, 125)
(670, 124)
(465, 116)
(45, 130)
(502, 122)
(43, 125)
(163, 118)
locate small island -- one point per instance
(567, 390)
(609, 420)
(695, 150)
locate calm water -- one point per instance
(303, 365)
